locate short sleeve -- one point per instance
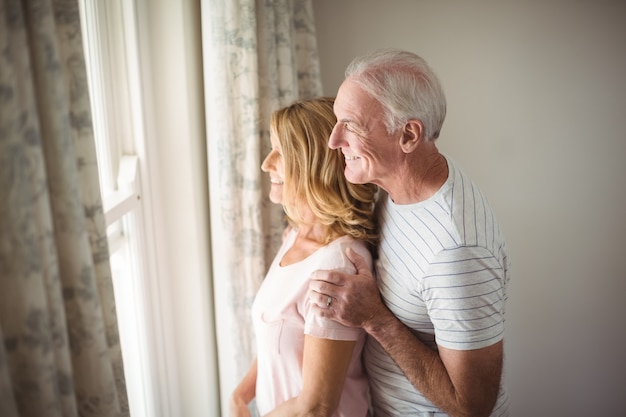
(464, 293)
(335, 258)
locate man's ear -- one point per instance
(412, 135)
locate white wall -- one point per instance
(536, 114)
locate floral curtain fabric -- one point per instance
(60, 353)
(258, 56)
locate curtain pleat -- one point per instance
(61, 353)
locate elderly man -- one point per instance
(434, 313)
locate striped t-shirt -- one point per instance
(443, 270)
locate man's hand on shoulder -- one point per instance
(354, 298)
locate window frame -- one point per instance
(111, 39)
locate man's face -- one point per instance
(370, 152)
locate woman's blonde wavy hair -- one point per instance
(314, 173)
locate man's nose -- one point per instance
(334, 140)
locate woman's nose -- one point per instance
(265, 164)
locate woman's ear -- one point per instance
(412, 135)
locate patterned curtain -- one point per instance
(60, 353)
(258, 56)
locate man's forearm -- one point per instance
(424, 368)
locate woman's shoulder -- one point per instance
(335, 252)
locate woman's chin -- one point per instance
(276, 197)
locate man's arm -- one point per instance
(462, 383)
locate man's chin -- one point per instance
(353, 177)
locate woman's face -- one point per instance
(273, 165)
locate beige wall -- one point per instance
(536, 114)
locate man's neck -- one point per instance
(421, 175)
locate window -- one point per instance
(112, 67)
(145, 75)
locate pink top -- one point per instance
(281, 317)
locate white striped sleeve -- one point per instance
(464, 293)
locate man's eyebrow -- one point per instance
(355, 126)
(353, 122)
